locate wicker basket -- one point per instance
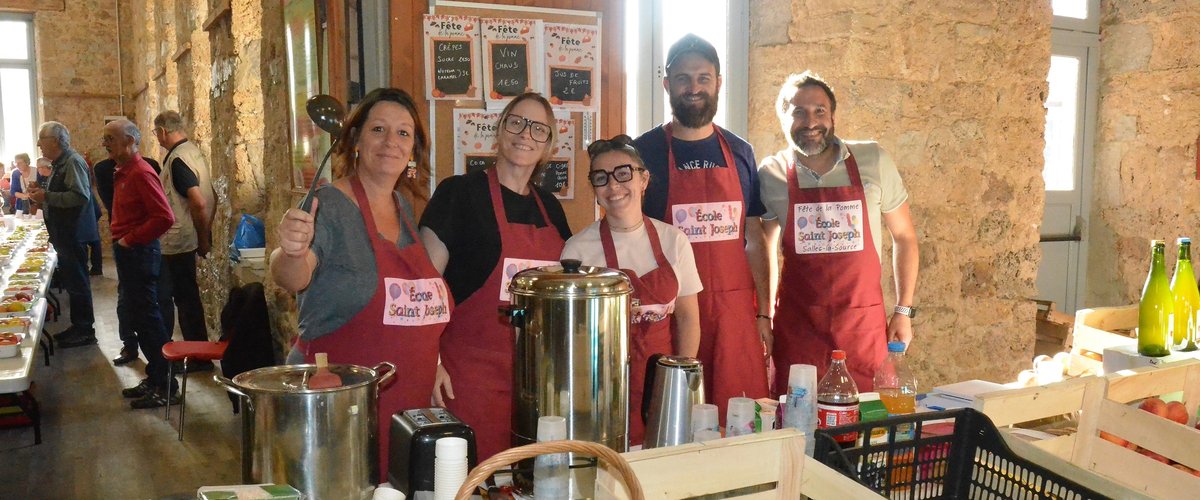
(511, 456)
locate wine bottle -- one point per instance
(1155, 318)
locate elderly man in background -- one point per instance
(66, 196)
(185, 181)
(140, 215)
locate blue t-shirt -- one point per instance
(689, 155)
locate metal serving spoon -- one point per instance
(325, 111)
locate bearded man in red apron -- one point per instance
(703, 181)
(828, 196)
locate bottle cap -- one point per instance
(839, 355)
(896, 346)
(1183, 240)
(551, 428)
(1155, 243)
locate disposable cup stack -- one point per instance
(449, 467)
(800, 410)
(739, 417)
(704, 418)
(551, 474)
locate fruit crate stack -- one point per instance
(1123, 431)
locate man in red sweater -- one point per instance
(140, 214)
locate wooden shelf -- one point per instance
(218, 11)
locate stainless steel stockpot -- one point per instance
(323, 442)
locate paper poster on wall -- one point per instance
(572, 72)
(559, 177)
(511, 65)
(452, 57)
(474, 139)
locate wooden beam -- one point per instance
(220, 10)
(161, 73)
(34, 5)
(187, 47)
(80, 95)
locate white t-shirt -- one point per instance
(882, 186)
(634, 252)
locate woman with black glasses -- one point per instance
(656, 256)
(481, 228)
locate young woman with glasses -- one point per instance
(480, 229)
(656, 256)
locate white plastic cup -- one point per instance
(739, 417)
(706, 435)
(803, 376)
(704, 417)
(387, 493)
(449, 467)
(551, 475)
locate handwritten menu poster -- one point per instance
(510, 47)
(573, 66)
(560, 171)
(474, 139)
(451, 57)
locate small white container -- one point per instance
(252, 253)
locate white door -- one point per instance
(1070, 118)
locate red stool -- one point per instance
(183, 351)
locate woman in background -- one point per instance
(480, 229)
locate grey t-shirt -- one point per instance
(345, 277)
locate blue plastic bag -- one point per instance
(250, 234)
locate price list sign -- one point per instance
(452, 57)
(509, 70)
(572, 70)
(559, 177)
(474, 139)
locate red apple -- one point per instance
(1177, 412)
(1155, 456)
(1155, 406)
(1113, 439)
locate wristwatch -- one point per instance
(911, 312)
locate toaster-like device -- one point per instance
(414, 435)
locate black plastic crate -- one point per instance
(956, 454)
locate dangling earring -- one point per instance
(411, 171)
(355, 156)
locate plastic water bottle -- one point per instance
(897, 387)
(799, 405)
(837, 399)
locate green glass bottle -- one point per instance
(1155, 311)
(1187, 300)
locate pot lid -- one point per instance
(570, 279)
(291, 378)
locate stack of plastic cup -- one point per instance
(739, 417)
(704, 418)
(551, 476)
(449, 467)
(801, 410)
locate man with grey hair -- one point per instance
(67, 200)
(140, 215)
(185, 180)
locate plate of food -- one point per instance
(11, 308)
(14, 325)
(10, 344)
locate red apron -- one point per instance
(829, 293)
(381, 331)
(655, 292)
(730, 348)
(477, 349)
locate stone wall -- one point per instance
(77, 68)
(1146, 182)
(956, 99)
(229, 83)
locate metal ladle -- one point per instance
(325, 111)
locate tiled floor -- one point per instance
(95, 446)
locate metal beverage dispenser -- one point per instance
(571, 356)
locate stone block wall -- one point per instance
(1146, 172)
(956, 99)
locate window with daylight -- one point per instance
(17, 87)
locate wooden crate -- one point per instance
(1101, 404)
(1053, 329)
(1097, 329)
(757, 466)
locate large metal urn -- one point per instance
(572, 352)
